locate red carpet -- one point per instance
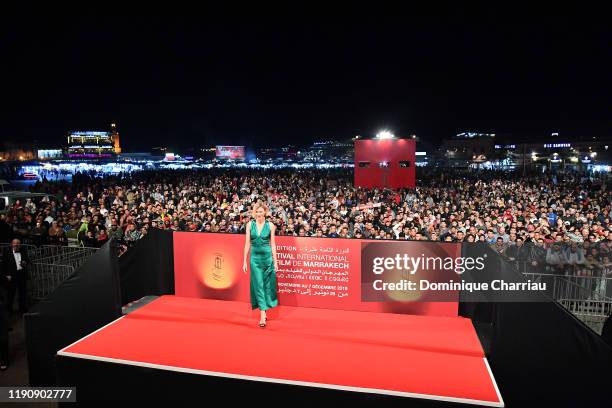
(416, 356)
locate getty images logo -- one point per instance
(412, 264)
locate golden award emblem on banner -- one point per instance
(217, 271)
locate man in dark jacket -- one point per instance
(15, 261)
(6, 231)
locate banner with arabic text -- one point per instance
(312, 272)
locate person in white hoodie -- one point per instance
(575, 254)
(555, 259)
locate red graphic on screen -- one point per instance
(385, 163)
(230, 152)
(312, 272)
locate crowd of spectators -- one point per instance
(496, 208)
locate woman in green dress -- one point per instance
(260, 241)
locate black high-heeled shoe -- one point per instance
(264, 323)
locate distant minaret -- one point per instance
(115, 138)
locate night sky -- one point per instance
(198, 82)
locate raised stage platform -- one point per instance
(215, 348)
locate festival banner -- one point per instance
(312, 272)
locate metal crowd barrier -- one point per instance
(583, 286)
(587, 297)
(52, 254)
(44, 278)
(574, 287)
(50, 265)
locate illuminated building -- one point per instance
(329, 150)
(115, 138)
(467, 148)
(487, 150)
(288, 152)
(50, 154)
(473, 135)
(91, 144)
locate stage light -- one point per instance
(593, 154)
(385, 134)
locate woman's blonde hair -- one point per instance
(259, 205)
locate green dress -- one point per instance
(263, 275)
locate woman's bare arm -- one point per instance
(247, 245)
(273, 244)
